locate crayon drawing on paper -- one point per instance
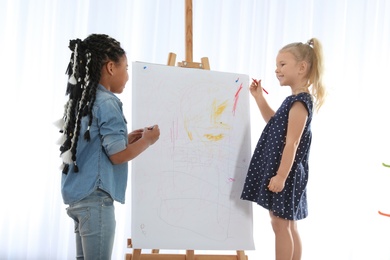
(186, 187)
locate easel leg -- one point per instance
(190, 255)
(136, 254)
(241, 255)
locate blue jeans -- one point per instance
(94, 219)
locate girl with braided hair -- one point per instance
(97, 146)
(278, 172)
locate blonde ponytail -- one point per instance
(311, 52)
(315, 77)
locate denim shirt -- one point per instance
(108, 136)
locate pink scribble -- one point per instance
(174, 133)
(236, 96)
(232, 179)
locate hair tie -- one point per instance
(310, 43)
(87, 135)
(65, 168)
(72, 78)
(75, 167)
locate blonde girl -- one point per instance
(278, 172)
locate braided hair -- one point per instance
(84, 71)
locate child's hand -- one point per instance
(135, 135)
(151, 133)
(276, 184)
(256, 89)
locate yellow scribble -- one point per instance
(213, 137)
(190, 135)
(218, 110)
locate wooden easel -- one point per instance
(187, 63)
(190, 255)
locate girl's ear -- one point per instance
(109, 67)
(303, 67)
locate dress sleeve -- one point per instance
(306, 100)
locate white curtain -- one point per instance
(348, 184)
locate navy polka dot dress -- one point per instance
(291, 203)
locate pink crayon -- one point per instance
(262, 87)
